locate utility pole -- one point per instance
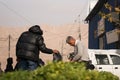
(62, 47)
(79, 30)
(9, 44)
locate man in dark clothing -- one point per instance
(28, 46)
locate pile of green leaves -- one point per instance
(59, 71)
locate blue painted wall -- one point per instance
(93, 24)
(93, 42)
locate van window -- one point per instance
(115, 59)
(102, 59)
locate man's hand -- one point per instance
(55, 51)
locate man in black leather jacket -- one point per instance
(28, 46)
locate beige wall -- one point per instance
(54, 38)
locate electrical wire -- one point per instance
(15, 12)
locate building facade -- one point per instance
(104, 25)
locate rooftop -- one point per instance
(96, 9)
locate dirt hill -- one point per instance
(54, 38)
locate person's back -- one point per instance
(27, 47)
(82, 50)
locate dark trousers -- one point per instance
(88, 65)
(25, 64)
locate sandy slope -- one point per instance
(54, 38)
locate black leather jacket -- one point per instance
(30, 43)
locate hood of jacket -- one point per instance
(36, 29)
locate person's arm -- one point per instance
(42, 46)
(44, 49)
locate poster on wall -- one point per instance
(112, 36)
(101, 27)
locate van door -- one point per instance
(116, 64)
(103, 63)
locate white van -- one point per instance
(106, 60)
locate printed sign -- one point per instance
(112, 36)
